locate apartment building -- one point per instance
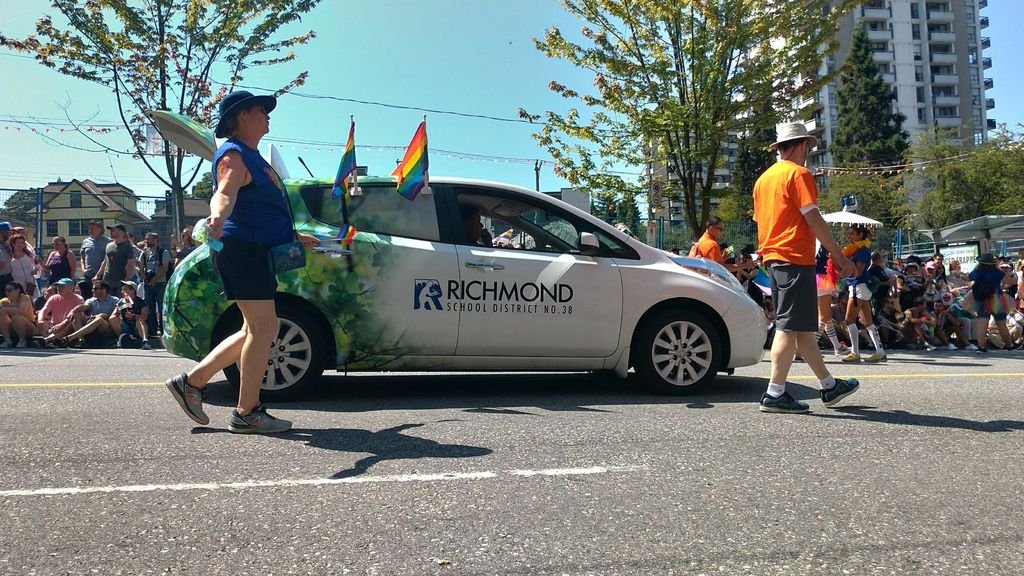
(932, 53)
(672, 211)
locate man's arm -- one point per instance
(103, 267)
(820, 228)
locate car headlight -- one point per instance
(712, 270)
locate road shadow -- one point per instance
(508, 395)
(388, 444)
(904, 418)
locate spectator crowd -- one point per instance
(928, 304)
(109, 294)
(910, 303)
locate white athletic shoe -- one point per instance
(951, 347)
(971, 347)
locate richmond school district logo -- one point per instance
(427, 295)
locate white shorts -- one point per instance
(860, 292)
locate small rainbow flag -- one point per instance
(763, 282)
(412, 171)
(347, 233)
(348, 165)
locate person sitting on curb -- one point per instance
(101, 325)
(133, 312)
(919, 325)
(16, 316)
(57, 317)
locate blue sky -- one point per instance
(472, 56)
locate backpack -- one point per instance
(128, 341)
(159, 263)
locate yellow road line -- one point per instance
(895, 376)
(80, 384)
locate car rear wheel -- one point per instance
(677, 351)
(296, 360)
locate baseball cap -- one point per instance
(120, 227)
(5, 226)
(64, 282)
(95, 223)
(130, 283)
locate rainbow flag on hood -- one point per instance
(412, 171)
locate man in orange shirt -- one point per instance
(788, 220)
(708, 246)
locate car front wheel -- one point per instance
(677, 351)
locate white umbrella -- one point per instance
(850, 219)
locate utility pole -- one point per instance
(536, 172)
(39, 217)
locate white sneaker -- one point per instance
(971, 347)
(23, 343)
(951, 347)
(7, 344)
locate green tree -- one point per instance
(18, 206)
(869, 132)
(753, 157)
(880, 195)
(626, 211)
(602, 205)
(962, 181)
(672, 79)
(161, 55)
(204, 187)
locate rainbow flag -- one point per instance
(348, 165)
(347, 233)
(412, 171)
(763, 282)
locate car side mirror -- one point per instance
(589, 246)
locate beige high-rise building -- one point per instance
(932, 53)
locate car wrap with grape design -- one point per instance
(342, 289)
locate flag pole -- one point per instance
(426, 173)
(355, 190)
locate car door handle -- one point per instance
(331, 251)
(485, 265)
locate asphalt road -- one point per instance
(920, 473)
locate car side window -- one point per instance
(515, 223)
(380, 209)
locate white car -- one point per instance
(547, 288)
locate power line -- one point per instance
(392, 106)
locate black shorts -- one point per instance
(794, 297)
(244, 269)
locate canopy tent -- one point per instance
(985, 230)
(981, 228)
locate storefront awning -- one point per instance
(982, 228)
